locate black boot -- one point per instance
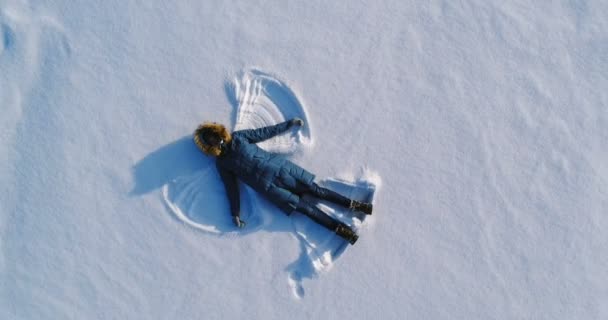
(361, 206)
(346, 233)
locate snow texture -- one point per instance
(263, 100)
(478, 128)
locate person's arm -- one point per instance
(265, 133)
(232, 191)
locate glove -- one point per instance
(296, 122)
(237, 222)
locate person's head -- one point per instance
(210, 138)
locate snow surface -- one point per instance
(485, 121)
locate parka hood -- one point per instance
(211, 128)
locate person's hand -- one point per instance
(238, 222)
(296, 122)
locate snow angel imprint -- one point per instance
(281, 181)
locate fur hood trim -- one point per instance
(215, 128)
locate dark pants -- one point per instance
(311, 210)
(317, 215)
(321, 193)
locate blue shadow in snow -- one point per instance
(182, 158)
(167, 163)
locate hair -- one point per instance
(211, 128)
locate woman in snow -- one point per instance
(278, 179)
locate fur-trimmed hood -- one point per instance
(211, 128)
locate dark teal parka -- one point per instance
(268, 173)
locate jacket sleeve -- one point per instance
(232, 190)
(265, 133)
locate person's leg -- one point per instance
(332, 196)
(317, 215)
(329, 195)
(327, 221)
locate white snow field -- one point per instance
(478, 128)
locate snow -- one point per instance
(484, 123)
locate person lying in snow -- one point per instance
(281, 181)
